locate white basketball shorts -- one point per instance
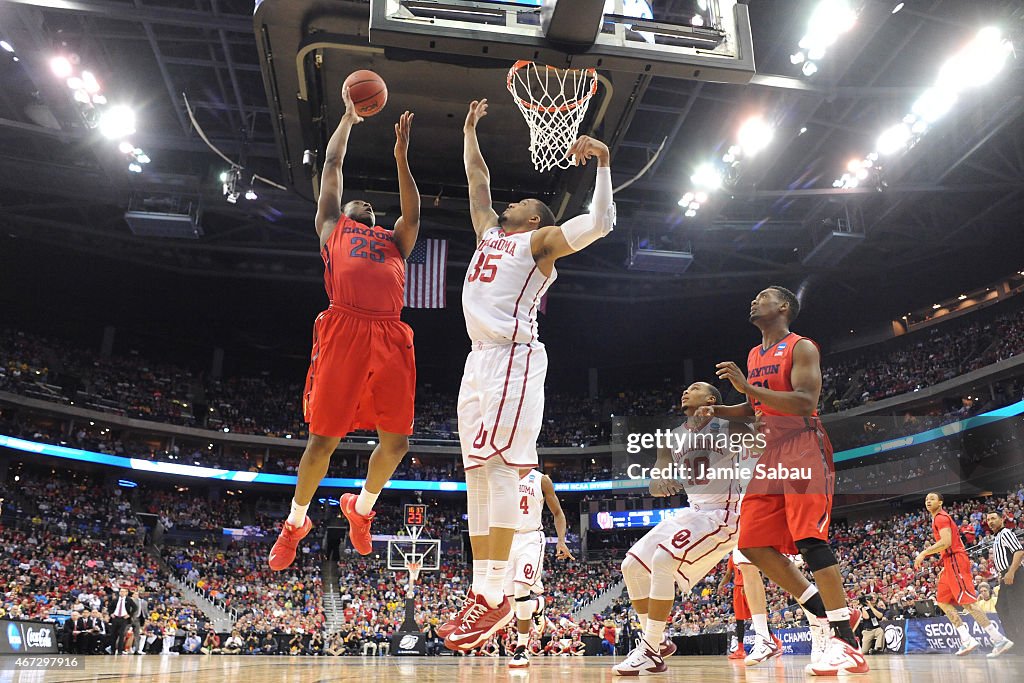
(526, 562)
(695, 540)
(501, 403)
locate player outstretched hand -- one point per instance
(350, 109)
(477, 110)
(562, 551)
(585, 148)
(402, 130)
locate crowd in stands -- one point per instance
(55, 370)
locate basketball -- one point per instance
(368, 91)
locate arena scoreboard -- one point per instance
(415, 514)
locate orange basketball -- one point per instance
(368, 91)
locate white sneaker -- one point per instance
(764, 649)
(1000, 647)
(521, 658)
(967, 647)
(840, 659)
(819, 642)
(642, 661)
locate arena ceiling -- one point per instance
(948, 215)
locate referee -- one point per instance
(1007, 554)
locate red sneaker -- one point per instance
(448, 627)
(738, 653)
(479, 622)
(668, 648)
(283, 553)
(358, 525)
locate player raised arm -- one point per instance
(548, 489)
(328, 205)
(477, 174)
(553, 242)
(407, 227)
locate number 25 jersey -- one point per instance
(503, 289)
(363, 268)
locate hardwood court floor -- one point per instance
(228, 669)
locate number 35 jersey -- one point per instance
(363, 268)
(503, 289)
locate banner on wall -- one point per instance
(936, 635)
(797, 641)
(27, 638)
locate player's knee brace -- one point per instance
(525, 605)
(503, 485)
(663, 576)
(638, 580)
(816, 553)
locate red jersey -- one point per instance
(363, 268)
(737, 576)
(944, 521)
(772, 368)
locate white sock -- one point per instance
(643, 621)
(994, 634)
(493, 590)
(761, 625)
(654, 634)
(479, 575)
(365, 501)
(965, 634)
(811, 591)
(522, 639)
(297, 517)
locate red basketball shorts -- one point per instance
(956, 584)
(739, 604)
(362, 374)
(778, 512)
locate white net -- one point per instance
(553, 102)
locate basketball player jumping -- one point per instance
(782, 386)
(956, 584)
(362, 371)
(524, 576)
(684, 548)
(501, 400)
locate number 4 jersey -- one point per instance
(503, 288)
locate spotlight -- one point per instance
(688, 197)
(694, 206)
(82, 96)
(893, 139)
(897, 8)
(75, 83)
(816, 53)
(61, 67)
(802, 130)
(933, 104)
(754, 136)
(143, 158)
(961, 298)
(99, 99)
(126, 147)
(232, 197)
(134, 167)
(117, 122)
(810, 68)
(936, 307)
(690, 213)
(250, 194)
(853, 166)
(701, 197)
(697, 20)
(224, 177)
(6, 46)
(707, 176)
(797, 58)
(91, 84)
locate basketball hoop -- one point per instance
(553, 101)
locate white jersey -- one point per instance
(503, 288)
(709, 466)
(531, 502)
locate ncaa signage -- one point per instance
(937, 635)
(408, 644)
(27, 637)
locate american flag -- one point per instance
(425, 274)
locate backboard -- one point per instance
(708, 40)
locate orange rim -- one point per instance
(568, 106)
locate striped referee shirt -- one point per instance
(1004, 546)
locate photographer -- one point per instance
(872, 633)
